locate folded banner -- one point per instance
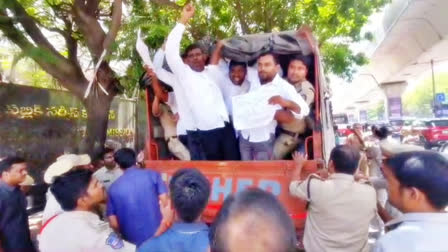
(249, 47)
(252, 110)
(143, 51)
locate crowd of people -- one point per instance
(122, 206)
(198, 115)
(140, 212)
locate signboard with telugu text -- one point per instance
(41, 124)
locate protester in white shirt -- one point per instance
(110, 171)
(214, 138)
(233, 76)
(257, 143)
(78, 229)
(417, 186)
(339, 208)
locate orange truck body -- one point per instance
(227, 177)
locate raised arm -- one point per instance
(173, 42)
(158, 90)
(156, 107)
(217, 53)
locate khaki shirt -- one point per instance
(354, 141)
(80, 231)
(168, 124)
(339, 213)
(306, 90)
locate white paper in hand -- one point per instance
(252, 110)
(143, 51)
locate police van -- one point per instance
(227, 177)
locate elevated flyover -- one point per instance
(408, 36)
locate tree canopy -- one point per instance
(335, 23)
(418, 102)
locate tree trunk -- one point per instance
(97, 106)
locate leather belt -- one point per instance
(170, 138)
(289, 133)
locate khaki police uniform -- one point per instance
(288, 140)
(339, 212)
(175, 146)
(80, 231)
(354, 141)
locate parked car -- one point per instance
(435, 133)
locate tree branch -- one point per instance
(59, 68)
(31, 27)
(167, 3)
(241, 16)
(115, 24)
(90, 28)
(92, 7)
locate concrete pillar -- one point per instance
(393, 92)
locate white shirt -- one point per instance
(339, 213)
(106, 176)
(418, 232)
(180, 102)
(226, 85)
(201, 89)
(286, 91)
(80, 231)
(52, 207)
(172, 102)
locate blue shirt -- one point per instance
(14, 229)
(134, 199)
(181, 237)
(416, 232)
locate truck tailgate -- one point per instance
(227, 177)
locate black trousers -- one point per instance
(216, 144)
(184, 140)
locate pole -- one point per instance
(433, 89)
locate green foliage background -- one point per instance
(418, 102)
(335, 23)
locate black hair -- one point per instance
(299, 58)
(191, 48)
(221, 217)
(68, 188)
(274, 56)
(125, 157)
(234, 63)
(266, 207)
(345, 159)
(381, 133)
(107, 150)
(189, 192)
(424, 170)
(7, 163)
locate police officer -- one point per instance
(78, 228)
(292, 134)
